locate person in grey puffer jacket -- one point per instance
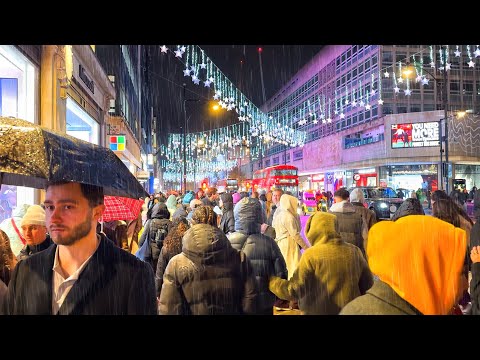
(209, 277)
(263, 252)
(227, 222)
(368, 216)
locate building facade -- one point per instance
(348, 97)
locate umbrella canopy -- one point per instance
(121, 208)
(31, 155)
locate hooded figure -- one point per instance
(330, 274)
(209, 277)
(286, 223)
(12, 228)
(227, 222)
(418, 260)
(263, 251)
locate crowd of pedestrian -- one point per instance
(205, 253)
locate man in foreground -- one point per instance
(84, 273)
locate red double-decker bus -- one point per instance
(283, 177)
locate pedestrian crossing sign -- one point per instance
(117, 142)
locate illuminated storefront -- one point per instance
(18, 91)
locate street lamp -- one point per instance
(443, 167)
(185, 100)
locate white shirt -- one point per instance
(61, 286)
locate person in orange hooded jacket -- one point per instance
(418, 261)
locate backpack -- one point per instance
(162, 232)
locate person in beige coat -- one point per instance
(286, 223)
(330, 274)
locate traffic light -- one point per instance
(204, 185)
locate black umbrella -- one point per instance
(31, 155)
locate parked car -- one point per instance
(382, 200)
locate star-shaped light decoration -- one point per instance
(477, 52)
(380, 102)
(183, 48)
(207, 83)
(211, 79)
(425, 81)
(178, 53)
(324, 121)
(373, 92)
(229, 107)
(216, 96)
(347, 102)
(315, 121)
(354, 103)
(186, 72)
(432, 65)
(329, 120)
(448, 66)
(386, 74)
(203, 65)
(336, 112)
(192, 68)
(396, 89)
(408, 92)
(368, 107)
(457, 53)
(164, 49)
(418, 78)
(342, 116)
(195, 80)
(471, 64)
(362, 103)
(400, 80)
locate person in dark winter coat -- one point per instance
(34, 232)
(351, 226)
(82, 273)
(227, 222)
(409, 207)
(368, 216)
(160, 219)
(330, 274)
(475, 283)
(209, 277)
(172, 245)
(263, 251)
(418, 260)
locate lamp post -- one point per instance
(444, 138)
(184, 189)
(185, 100)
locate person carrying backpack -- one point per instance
(156, 230)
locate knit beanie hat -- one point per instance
(35, 215)
(236, 197)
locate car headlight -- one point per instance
(383, 206)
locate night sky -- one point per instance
(240, 63)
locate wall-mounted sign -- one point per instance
(422, 134)
(114, 129)
(318, 177)
(356, 177)
(143, 175)
(117, 142)
(86, 80)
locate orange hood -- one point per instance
(421, 258)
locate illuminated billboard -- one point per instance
(422, 134)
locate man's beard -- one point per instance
(78, 232)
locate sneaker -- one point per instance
(281, 305)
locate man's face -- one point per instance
(68, 215)
(34, 234)
(276, 195)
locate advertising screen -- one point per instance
(421, 134)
